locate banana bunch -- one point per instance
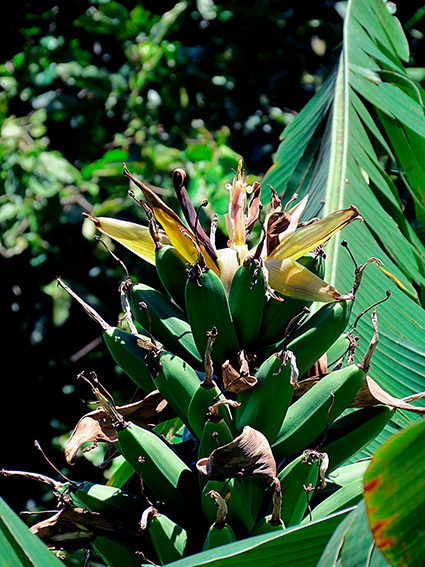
(240, 344)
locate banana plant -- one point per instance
(269, 429)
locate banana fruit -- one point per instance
(176, 380)
(162, 470)
(103, 498)
(220, 532)
(318, 333)
(167, 322)
(297, 479)
(311, 414)
(276, 380)
(168, 539)
(350, 433)
(207, 307)
(118, 551)
(131, 354)
(272, 522)
(172, 272)
(246, 300)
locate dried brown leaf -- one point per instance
(234, 381)
(248, 455)
(371, 394)
(97, 426)
(254, 208)
(73, 528)
(278, 222)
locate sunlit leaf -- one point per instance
(335, 151)
(352, 544)
(300, 545)
(18, 546)
(394, 492)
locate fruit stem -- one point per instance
(89, 310)
(365, 364)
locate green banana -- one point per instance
(311, 414)
(277, 314)
(162, 470)
(207, 395)
(216, 433)
(318, 333)
(219, 533)
(176, 380)
(240, 515)
(352, 432)
(197, 413)
(272, 522)
(128, 350)
(337, 349)
(104, 498)
(275, 386)
(165, 320)
(171, 269)
(118, 551)
(129, 353)
(207, 307)
(168, 539)
(267, 525)
(295, 479)
(246, 300)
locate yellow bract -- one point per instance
(310, 237)
(294, 280)
(134, 237)
(285, 275)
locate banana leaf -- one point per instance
(358, 141)
(297, 546)
(394, 495)
(352, 544)
(18, 546)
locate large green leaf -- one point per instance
(339, 152)
(394, 492)
(18, 546)
(352, 544)
(294, 547)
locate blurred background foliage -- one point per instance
(88, 85)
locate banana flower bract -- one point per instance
(284, 241)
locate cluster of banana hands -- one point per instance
(248, 394)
